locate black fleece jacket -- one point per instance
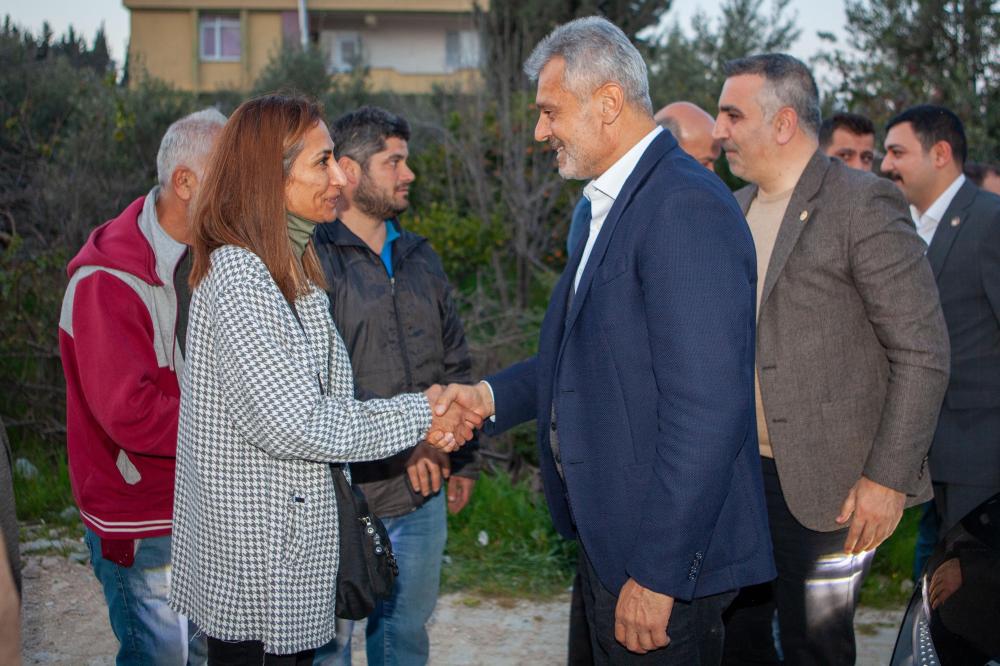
(403, 334)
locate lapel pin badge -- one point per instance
(955, 221)
(803, 216)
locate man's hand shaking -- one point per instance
(453, 422)
(475, 398)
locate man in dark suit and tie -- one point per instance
(852, 360)
(643, 382)
(925, 152)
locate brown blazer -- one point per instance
(852, 349)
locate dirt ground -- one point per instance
(65, 622)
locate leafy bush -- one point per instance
(503, 543)
(47, 495)
(465, 244)
(30, 300)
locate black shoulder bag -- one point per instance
(368, 567)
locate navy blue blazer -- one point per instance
(651, 374)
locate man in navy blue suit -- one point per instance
(643, 383)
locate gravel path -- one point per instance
(65, 622)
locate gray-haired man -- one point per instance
(121, 336)
(643, 381)
(852, 359)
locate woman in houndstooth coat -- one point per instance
(268, 398)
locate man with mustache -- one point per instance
(851, 364)
(925, 152)
(393, 305)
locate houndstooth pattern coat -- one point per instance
(266, 405)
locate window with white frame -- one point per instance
(220, 37)
(343, 49)
(461, 49)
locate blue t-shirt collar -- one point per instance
(391, 234)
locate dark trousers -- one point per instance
(815, 594)
(579, 653)
(695, 627)
(245, 653)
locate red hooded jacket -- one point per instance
(122, 363)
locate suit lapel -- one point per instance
(660, 145)
(797, 215)
(949, 226)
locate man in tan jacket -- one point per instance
(852, 360)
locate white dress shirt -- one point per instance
(603, 190)
(928, 222)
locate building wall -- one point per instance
(163, 43)
(463, 6)
(264, 34)
(411, 46)
(405, 84)
(405, 54)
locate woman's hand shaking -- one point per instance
(454, 427)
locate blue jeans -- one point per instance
(397, 628)
(147, 629)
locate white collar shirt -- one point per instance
(927, 223)
(603, 190)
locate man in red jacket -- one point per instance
(121, 336)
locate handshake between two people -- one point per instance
(458, 410)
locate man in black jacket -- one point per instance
(925, 149)
(393, 305)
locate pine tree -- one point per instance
(906, 52)
(690, 66)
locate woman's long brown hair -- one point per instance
(242, 201)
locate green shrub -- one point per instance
(464, 243)
(523, 555)
(47, 495)
(31, 287)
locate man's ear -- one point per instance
(941, 154)
(185, 183)
(786, 124)
(612, 100)
(351, 169)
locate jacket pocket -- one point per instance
(295, 534)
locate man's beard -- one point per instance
(375, 203)
(574, 168)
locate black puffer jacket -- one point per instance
(403, 334)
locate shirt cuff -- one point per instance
(493, 399)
